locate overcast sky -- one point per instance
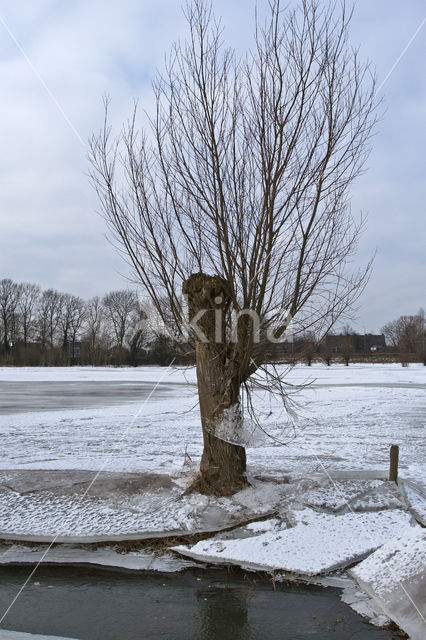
(57, 60)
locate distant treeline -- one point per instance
(54, 328)
(402, 340)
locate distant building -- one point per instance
(357, 343)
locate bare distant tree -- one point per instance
(139, 333)
(238, 195)
(407, 334)
(348, 348)
(309, 346)
(94, 327)
(27, 307)
(78, 316)
(48, 316)
(72, 316)
(326, 350)
(421, 341)
(9, 299)
(347, 330)
(64, 320)
(392, 333)
(121, 310)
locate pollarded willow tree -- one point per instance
(236, 194)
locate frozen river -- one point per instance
(35, 396)
(29, 396)
(147, 419)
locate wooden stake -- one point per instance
(393, 467)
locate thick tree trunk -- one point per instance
(223, 463)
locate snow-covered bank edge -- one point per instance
(146, 559)
(318, 529)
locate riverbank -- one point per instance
(297, 530)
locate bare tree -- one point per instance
(72, 316)
(27, 306)
(407, 334)
(121, 309)
(48, 317)
(421, 339)
(237, 194)
(94, 328)
(309, 346)
(348, 347)
(326, 349)
(64, 320)
(9, 298)
(391, 331)
(78, 316)
(139, 334)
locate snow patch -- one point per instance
(319, 543)
(395, 577)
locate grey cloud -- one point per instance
(49, 232)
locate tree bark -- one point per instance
(223, 463)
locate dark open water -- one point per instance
(92, 604)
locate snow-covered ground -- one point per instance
(347, 418)
(343, 419)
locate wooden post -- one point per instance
(393, 467)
